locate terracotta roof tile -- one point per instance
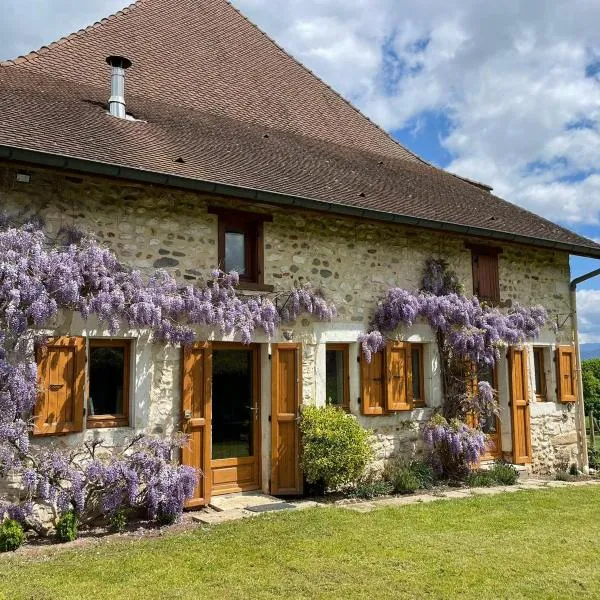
(209, 87)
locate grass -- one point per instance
(538, 544)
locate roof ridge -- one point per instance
(31, 56)
(303, 66)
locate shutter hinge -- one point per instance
(358, 399)
(269, 418)
(358, 358)
(84, 411)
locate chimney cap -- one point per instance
(118, 61)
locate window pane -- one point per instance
(416, 374)
(232, 404)
(334, 377)
(107, 374)
(235, 252)
(537, 365)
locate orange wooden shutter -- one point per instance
(372, 376)
(519, 396)
(286, 477)
(196, 410)
(61, 377)
(486, 282)
(399, 376)
(565, 367)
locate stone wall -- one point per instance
(354, 262)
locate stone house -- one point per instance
(214, 147)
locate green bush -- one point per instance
(335, 448)
(424, 473)
(562, 476)
(11, 535)
(67, 527)
(504, 473)
(118, 521)
(594, 458)
(406, 477)
(590, 376)
(371, 486)
(573, 470)
(480, 479)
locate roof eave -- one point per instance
(90, 167)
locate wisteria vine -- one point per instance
(40, 277)
(470, 334)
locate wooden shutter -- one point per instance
(399, 376)
(486, 281)
(519, 396)
(61, 378)
(196, 409)
(566, 374)
(286, 477)
(372, 376)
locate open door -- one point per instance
(285, 404)
(519, 396)
(196, 416)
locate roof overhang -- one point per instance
(90, 167)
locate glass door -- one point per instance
(235, 418)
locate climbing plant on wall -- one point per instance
(41, 276)
(469, 334)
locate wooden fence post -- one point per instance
(592, 433)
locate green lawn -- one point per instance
(539, 544)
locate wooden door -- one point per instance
(196, 417)
(519, 400)
(61, 378)
(285, 404)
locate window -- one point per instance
(240, 244)
(393, 380)
(486, 280)
(418, 396)
(108, 398)
(337, 392)
(540, 375)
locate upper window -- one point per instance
(108, 399)
(337, 375)
(240, 243)
(486, 280)
(540, 376)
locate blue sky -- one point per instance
(507, 93)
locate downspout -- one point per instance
(581, 430)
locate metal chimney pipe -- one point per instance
(116, 102)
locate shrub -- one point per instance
(335, 448)
(67, 527)
(504, 473)
(11, 535)
(406, 477)
(480, 479)
(573, 470)
(371, 486)
(118, 521)
(594, 457)
(424, 473)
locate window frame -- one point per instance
(540, 351)
(421, 401)
(491, 252)
(345, 349)
(251, 226)
(110, 420)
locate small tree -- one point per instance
(590, 374)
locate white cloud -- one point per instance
(588, 312)
(510, 76)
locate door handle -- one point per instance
(187, 414)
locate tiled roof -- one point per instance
(213, 91)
